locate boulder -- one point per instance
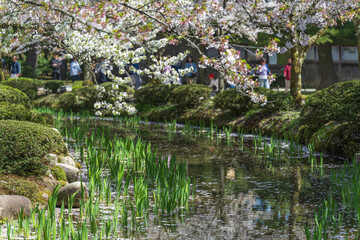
(52, 158)
(71, 172)
(67, 160)
(10, 206)
(67, 191)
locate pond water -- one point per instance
(238, 195)
(241, 186)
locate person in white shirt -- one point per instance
(214, 83)
(75, 70)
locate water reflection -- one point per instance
(237, 196)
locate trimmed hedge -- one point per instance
(153, 94)
(26, 85)
(234, 101)
(12, 95)
(190, 95)
(10, 111)
(339, 102)
(24, 145)
(53, 85)
(239, 103)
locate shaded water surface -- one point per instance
(238, 194)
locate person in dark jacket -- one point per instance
(15, 69)
(56, 67)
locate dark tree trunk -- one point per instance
(2, 76)
(357, 29)
(326, 65)
(32, 56)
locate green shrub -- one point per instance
(26, 85)
(240, 103)
(67, 102)
(339, 102)
(12, 95)
(88, 83)
(190, 95)
(122, 88)
(77, 85)
(341, 139)
(22, 187)
(153, 94)
(234, 101)
(86, 97)
(23, 146)
(53, 85)
(10, 111)
(277, 101)
(59, 173)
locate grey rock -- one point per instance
(67, 160)
(66, 192)
(45, 197)
(10, 206)
(52, 158)
(71, 172)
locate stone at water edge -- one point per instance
(52, 158)
(71, 172)
(67, 160)
(66, 192)
(10, 206)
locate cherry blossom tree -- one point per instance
(131, 31)
(299, 23)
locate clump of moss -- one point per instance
(24, 145)
(58, 173)
(23, 187)
(12, 95)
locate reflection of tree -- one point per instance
(295, 180)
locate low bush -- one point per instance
(122, 88)
(239, 103)
(277, 101)
(153, 94)
(26, 85)
(77, 85)
(339, 102)
(190, 95)
(53, 85)
(24, 145)
(234, 101)
(12, 95)
(67, 101)
(341, 139)
(10, 111)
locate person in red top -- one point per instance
(287, 75)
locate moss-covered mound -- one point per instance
(80, 99)
(12, 95)
(240, 103)
(23, 146)
(153, 94)
(341, 139)
(233, 101)
(10, 111)
(338, 103)
(189, 96)
(26, 85)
